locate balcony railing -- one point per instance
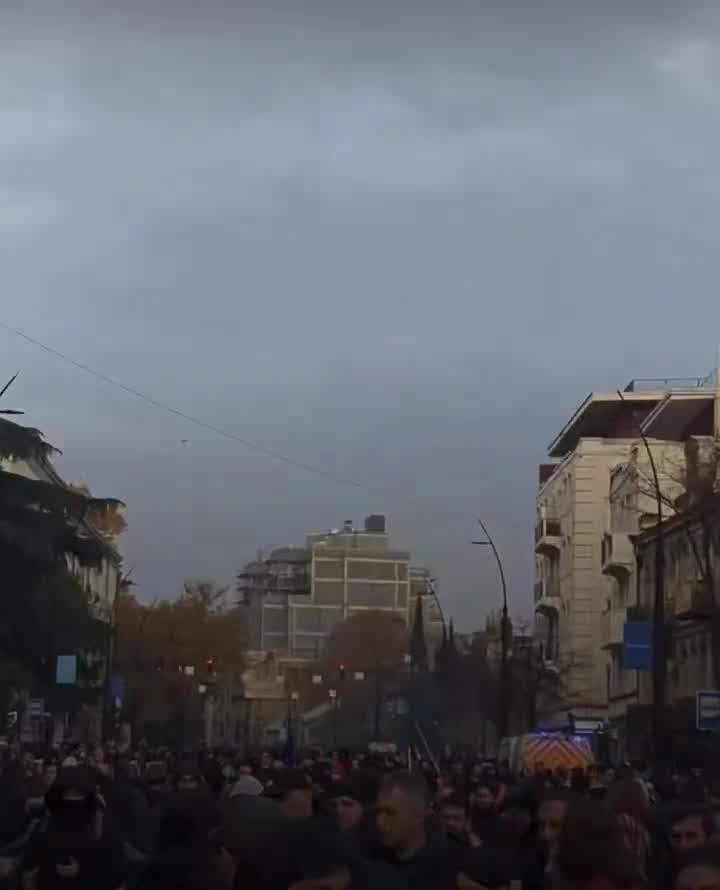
(641, 384)
(548, 536)
(294, 584)
(617, 554)
(693, 601)
(549, 603)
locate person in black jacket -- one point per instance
(72, 852)
(421, 856)
(313, 858)
(352, 805)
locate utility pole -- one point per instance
(212, 685)
(332, 694)
(659, 638)
(377, 705)
(209, 718)
(504, 633)
(122, 584)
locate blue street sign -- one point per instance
(118, 687)
(637, 646)
(707, 709)
(66, 671)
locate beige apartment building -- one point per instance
(691, 546)
(591, 503)
(690, 666)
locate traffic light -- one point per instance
(341, 671)
(211, 666)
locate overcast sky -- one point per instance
(399, 241)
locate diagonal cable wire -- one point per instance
(183, 415)
(248, 444)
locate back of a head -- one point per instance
(412, 785)
(558, 795)
(247, 821)
(309, 852)
(188, 820)
(679, 811)
(456, 800)
(705, 860)
(629, 797)
(592, 845)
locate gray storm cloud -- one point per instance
(397, 243)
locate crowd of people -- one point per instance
(99, 820)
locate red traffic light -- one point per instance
(341, 671)
(211, 666)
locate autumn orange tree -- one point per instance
(367, 641)
(106, 518)
(373, 644)
(163, 649)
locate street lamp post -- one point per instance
(123, 583)
(659, 640)
(332, 694)
(504, 630)
(293, 699)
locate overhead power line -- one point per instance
(248, 444)
(183, 415)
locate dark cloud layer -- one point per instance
(399, 243)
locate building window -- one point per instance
(329, 592)
(402, 596)
(316, 620)
(308, 646)
(275, 642)
(374, 595)
(329, 568)
(275, 621)
(380, 570)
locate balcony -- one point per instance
(550, 668)
(539, 591)
(618, 556)
(291, 583)
(612, 628)
(693, 601)
(548, 603)
(548, 537)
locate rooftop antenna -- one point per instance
(5, 389)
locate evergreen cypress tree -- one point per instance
(418, 646)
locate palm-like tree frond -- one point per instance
(23, 442)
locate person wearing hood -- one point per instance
(186, 855)
(248, 817)
(484, 818)
(352, 806)
(514, 853)
(71, 852)
(313, 858)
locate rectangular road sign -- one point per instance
(36, 707)
(707, 703)
(637, 645)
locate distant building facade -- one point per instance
(590, 505)
(296, 597)
(691, 547)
